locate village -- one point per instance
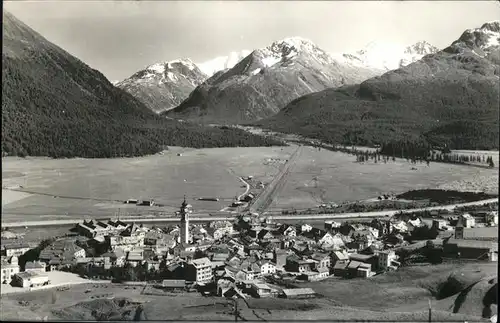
(251, 256)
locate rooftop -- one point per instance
(477, 244)
(30, 274)
(16, 246)
(261, 286)
(201, 262)
(298, 291)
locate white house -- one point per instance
(386, 258)
(330, 224)
(200, 271)
(16, 249)
(305, 228)
(30, 279)
(266, 267)
(9, 267)
(401, 226)
(468, 221)
(439, 223)
(291, 231)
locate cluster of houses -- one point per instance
(33, 274)
(245, 257)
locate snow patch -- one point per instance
(493, 39)
(270, 60)
(385, 56)
(171, 76)
(256, 71)
(222, 62)
(184, 61)
(159, 68)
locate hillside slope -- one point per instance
(55, 105)
(450, 97)
(163, 86)
(265, 81)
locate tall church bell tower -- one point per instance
(184, 213)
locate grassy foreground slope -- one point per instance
(450, 97)
(55, 105)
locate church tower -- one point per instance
(184, 213)
(459, 229)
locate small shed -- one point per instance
(298, 293)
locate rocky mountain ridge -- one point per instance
(165, 85)
(449, 97)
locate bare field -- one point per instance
(96, 187)
(58, 189)
(325, 176)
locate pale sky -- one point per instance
(121, 37)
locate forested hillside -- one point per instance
(55, 105)
(448, 98)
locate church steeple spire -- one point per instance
(184, 221)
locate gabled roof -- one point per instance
(319, 256)
(34, 265)
(341, 255)
(341, 265)
(202, 262)
(60, 249)
(354, 264)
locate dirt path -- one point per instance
(265, 198)
(248, 188)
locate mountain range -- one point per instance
(385, 56)
(161, 96)
(55, 105)
(449, 97)
(265, 81)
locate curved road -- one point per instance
(248, 188)
(208, 218)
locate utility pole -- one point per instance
(430, 312)
(235, 310)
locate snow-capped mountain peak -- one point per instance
(421, 48)
(292, 43)
(161, 67)
(287, 49)
(222, 62)
(386, 56)
(484, 38)
(169, 71)
(164, 85)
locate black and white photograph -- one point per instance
(331, 161)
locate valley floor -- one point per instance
(46, 189)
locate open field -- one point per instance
(60, 189)
(322, 176)
(396, 296)
(96, 187)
